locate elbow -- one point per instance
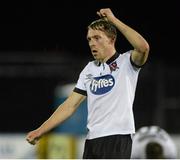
(145, 48)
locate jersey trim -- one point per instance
(115, 56)
(135, 65)
(80, 91)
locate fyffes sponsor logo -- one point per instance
(102, 85)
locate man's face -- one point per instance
(99, 43)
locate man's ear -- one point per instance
(113, 39)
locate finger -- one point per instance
(103, 16)
(98, 13)
(102, 12)
(33, 142)
(29, 139)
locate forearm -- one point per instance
(134, 38)
(60, 115)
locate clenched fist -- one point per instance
(33, 136)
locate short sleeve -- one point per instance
(132, 65)
(80, 85)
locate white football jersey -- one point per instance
(110, 89)
(156, 134)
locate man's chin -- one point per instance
(95, 57)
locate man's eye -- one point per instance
(97, 38)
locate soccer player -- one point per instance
(153, 142)
(109, 83)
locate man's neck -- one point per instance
(108, 56)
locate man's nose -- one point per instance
(92, 43)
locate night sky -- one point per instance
(51, 25)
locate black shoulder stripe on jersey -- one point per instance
(135, 65)
(80, 91)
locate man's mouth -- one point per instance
(94, 51)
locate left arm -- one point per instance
(141, 47)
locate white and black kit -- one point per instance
(110, 90)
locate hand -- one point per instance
(33, 136)
(106, 14)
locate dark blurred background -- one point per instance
(43, 45)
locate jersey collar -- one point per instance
(109, 61)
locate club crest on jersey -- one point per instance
(101, 85)
(113, 66)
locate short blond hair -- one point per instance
(108, 28)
